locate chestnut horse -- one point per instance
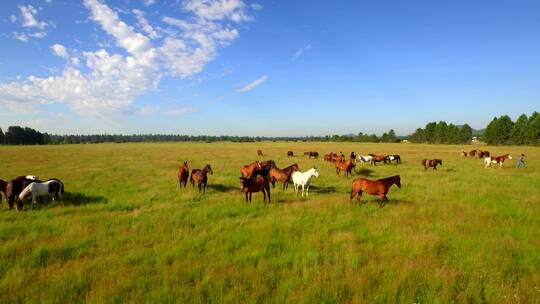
(249, 186)
(200, 177)
(496, 160)
(328, 157)
(183, 174)
(378, 158)
(472, 153)
(290, 154)
(374, 187)
(259, 153)
(347, 166)
(276, 174)
(431, 163)
(247, 170)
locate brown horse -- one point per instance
(378, 158)
(374, 187)
(200, 177)
(483, 154)
(16, 186)
(264, 169)
(290, 154)
(463, 153)
(472, 153)
(247, 170)
(183, 174)
(346, 166)
(276, 174)
(496, 160)
(431, 163)
(313, 154)
(249, 186)
(259, 153)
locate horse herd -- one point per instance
(488, 159)
(19, 188)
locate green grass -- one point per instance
(126, 233)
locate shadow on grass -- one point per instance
(223, 188)
(322, 189)
(77, 199)
(364, 172)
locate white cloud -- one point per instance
(20, 36)
(13, 18)
(28, 12)
(301, 51)
(104, 81)
(148, 2)
(255, 83)
(59, 50)
(147, 111)
(256, 6)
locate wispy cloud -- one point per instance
(255, 83)
(31, 26)
(180, 111)
(301, 52)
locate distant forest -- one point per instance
(500, 131)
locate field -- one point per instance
(125, 232)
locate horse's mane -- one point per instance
(389, 178)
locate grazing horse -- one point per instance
(313, 154)
(247, 170)
(496, 160)
(248, 186)
(346, 166)
(200, 177)
(183, 174)
(472, 153)
(303, 179)
(259, 153)
(374, 187)
(464, 153)
(290, 154)
(53, 187)
(483, 154)
(276, 174)
(365, 158)
(394, 157)
(16, 186)
(431, 163)
(378, 158)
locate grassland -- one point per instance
(126, 233)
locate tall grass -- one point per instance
(125, 232)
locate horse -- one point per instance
(472, 153)
(374, 187)
(290, 154)
(259, 153)
(200, 177)
(303, 179)
(248, 186)
(431, 163)
(264, 169)
(313, 154)
(276, 174)
(353, 155)
(16, 186)
(346, 166)
(365, 158)
(496, 160)
(3, 188)
(378, 158)
(394, 157)
(463, 154)
(183, 174)
(483, 154)
(247, 170)
(53, 187)
(328, 157)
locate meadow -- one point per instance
(125, 232)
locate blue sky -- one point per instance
(287, 68)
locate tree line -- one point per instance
(442, 133)
(502, 130)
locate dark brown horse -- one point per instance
(378, 158)
(284, 175)
(483, 154)
(374, 187)
(264, 169)
(313, 154)
(201, 177)
(247, 170)
(472, 153)
(290, 154)
(249, 186)
(353, 155)
(183, 174)
(346, 166)
(16, 186)
(259, 153)
(431, 163)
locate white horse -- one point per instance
(303, 179)
(52, 187)
(364, 158)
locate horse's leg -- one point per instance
(204, 189)
(302, 190)
(246, 197)
(250, 196)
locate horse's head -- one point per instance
(32, 177)
(439, 161)
(397, 181)
(207, 168)
(314, 172)
(295, 167)
(18, 204)
(509, 156)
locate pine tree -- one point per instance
(452, 134)
(465, 134)
(532, 132)
(490, 132)
(391, 136)
(517, 136)
(440, 132)
(504, 128)
(2, 137)
(429, 132)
